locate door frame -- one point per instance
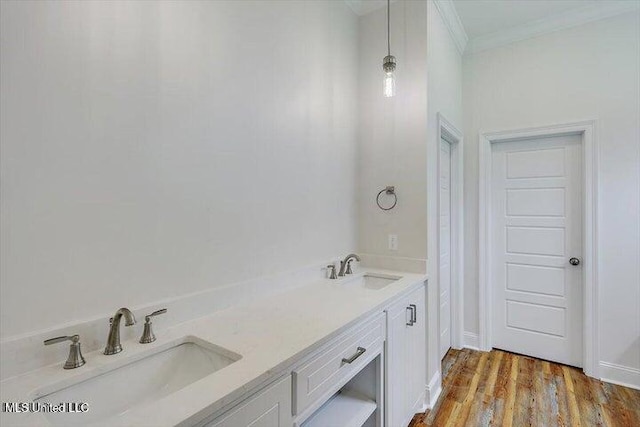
(448, 132)
(587, 132)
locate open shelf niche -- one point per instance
(357, 404)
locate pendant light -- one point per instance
(389, 61)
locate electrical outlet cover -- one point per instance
(393, 242)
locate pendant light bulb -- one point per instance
(389, 62)
(389, 67)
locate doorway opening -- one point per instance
(450, 236)
(522, 235)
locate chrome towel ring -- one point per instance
(390, 190)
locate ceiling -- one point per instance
(477, 25)
(481, 17)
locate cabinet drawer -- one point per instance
(268, 408)
(327, 370)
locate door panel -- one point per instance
(536, 318)
(535, 202)
(536, 227)
(535, 279)
(535, 240)
(445, 247)
(536, 163)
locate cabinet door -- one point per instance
(397, 361)
(406, 361)
(417, 380)
(269, 408)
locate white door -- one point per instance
(536, 230)
(445, 247)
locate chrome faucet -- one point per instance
(345, 264)
(113, 341)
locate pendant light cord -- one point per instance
(388, 27)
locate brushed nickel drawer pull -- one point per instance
(359, 353)
(414, 311)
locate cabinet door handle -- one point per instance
(414, 313)
(352, 359)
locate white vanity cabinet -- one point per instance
(269, 408)
(371, 375)
(406, 358)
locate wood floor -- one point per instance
(506, 389)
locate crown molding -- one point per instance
(364, 7)
(548, 25)
(451, 19)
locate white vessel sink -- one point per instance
(373, 281)
(157, 375)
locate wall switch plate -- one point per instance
(393, 242)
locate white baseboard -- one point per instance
(421, 404)
(621, 375)
(470, 341)
(434, 388)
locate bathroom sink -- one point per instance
(111, 394)
(373, 281)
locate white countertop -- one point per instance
(270, 334)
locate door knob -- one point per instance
(574, 261)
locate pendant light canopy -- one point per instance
(389, 61)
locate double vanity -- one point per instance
(344, 352)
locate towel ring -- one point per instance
(391, 190)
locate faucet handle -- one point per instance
(332, 271)
(349, 270)
(147, 335)
(75, 359)
(155, 313)
(56, 340)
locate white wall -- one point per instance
(444, 97)
(398, 139)
(152, 149)
(392, 133)
(587, 72)
(393, 143)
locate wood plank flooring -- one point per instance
(505, 389)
